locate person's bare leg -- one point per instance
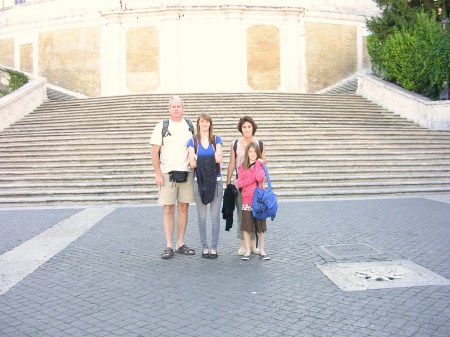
(182, 222)
(262, 252)
(247, 242)
(168, 223)
(253, 247)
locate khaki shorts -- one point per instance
(172, 192)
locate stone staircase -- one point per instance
(96, 150)
(347, 88)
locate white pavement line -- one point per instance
(22, 260)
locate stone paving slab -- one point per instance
(112, 282)
(20, 225)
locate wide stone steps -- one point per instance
(97, 150)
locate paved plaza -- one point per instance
(97, 271)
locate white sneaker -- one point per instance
(241, 251)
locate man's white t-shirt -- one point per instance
(174, 152)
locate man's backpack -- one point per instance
(165, 129)
(264, 202)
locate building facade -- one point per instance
(118, 47)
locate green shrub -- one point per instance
(416, 57)
(14, 80)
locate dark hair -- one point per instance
(247, 119)
(251, 145)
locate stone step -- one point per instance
(97, 109)
(299, 181)
(281, 175)
(140, 187)
(129, 160)
(303, 133)
(6, 155)
(36, 173)
(291, 151)
(305, 138)
(137, 121)
(274, 144)
(115, 196)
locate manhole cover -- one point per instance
(347, 250)
(354, 276)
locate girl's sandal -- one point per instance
(185, 250)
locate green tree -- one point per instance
(402, 13)
(408, 45)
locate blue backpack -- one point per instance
(264, 203)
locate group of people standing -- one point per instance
(187, 165)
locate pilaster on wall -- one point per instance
(112, 73)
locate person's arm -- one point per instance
(159, 179)
(263, 154)
(192, 157)
(231, 164)
(260, 174)
(218, 153)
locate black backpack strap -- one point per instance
(235, 156)
(191, 126)
(165, 130)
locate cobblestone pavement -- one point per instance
(111, 280)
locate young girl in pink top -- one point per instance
(251, 173)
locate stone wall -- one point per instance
(142, 59)
(26, 57)
(331, 54)
(7, 52)
(263, 57)
(70, 58)
(112, 48)
(434, 115)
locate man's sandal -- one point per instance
(185, 250)
(167, 254)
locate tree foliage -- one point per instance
(408, 45)
(397, 14)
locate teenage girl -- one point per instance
(207, 145)
(251, 173)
